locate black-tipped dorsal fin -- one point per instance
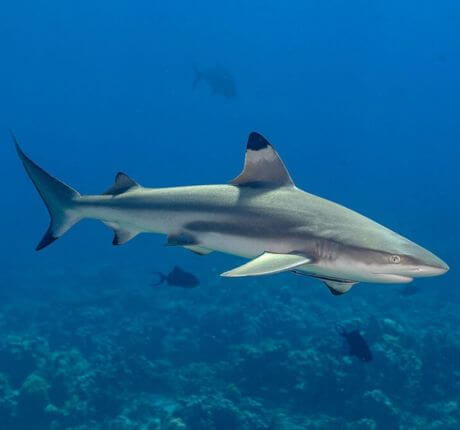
(122, 184)
(262, 165)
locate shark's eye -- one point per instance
(395, 259)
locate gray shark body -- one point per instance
(260, 215)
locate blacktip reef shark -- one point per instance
(260, 215)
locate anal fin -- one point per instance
(267, 264)
(120, 235)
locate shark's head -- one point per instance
(397, 266)
(403, 267)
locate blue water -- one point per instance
(361, 100)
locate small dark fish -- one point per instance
(358, 345)
(178, 278)
(409, 290)
(219, 80)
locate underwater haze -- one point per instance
(361, 99)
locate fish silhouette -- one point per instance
(410, 290)
(219, 80)
(177, 278)
(357, 344)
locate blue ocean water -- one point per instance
(361, 100)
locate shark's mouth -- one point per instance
(392, 279)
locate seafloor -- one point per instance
(98, 348)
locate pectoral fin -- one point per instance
(338, 287)
(267, 264)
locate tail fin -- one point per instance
(197, 78)
(59, 198)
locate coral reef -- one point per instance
(257, 355)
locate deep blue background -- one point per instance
(360, 98)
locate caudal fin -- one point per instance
(59, 198)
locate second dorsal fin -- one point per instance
(262, 165)
(122, 184)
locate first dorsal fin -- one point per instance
(262, 165)
(122, 184)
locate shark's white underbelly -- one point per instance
(240, 246)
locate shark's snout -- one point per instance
(428, 264)
(433, 266)
(436, 269)
(413, 261)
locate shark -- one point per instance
(260, 215)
